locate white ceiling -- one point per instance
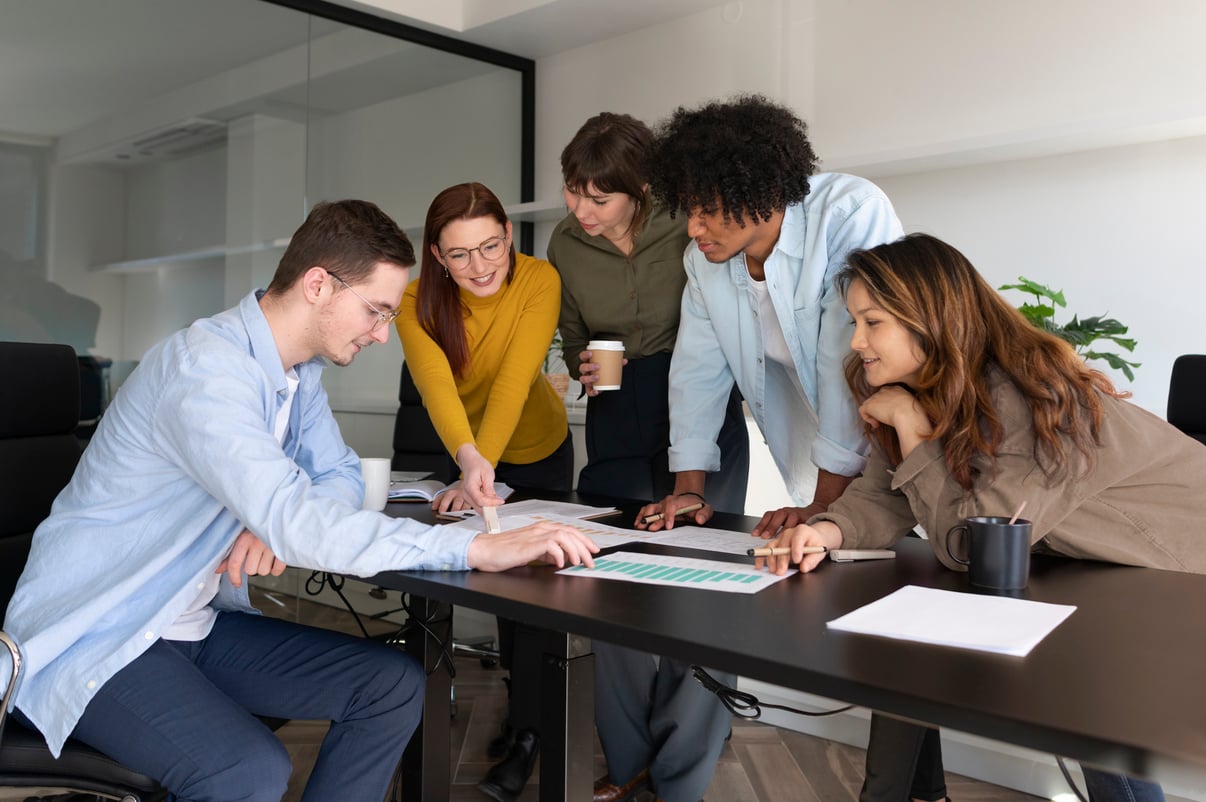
(67, 63)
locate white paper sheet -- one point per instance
(603, 535)
(964, 620)
(707, 539)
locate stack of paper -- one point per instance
(964, 620)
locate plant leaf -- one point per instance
(1037, 313)
(1116, 362)
(1040, 290)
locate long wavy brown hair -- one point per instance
(439, 308)
(964, 328)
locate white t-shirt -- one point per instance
(774, 345)
(198, 618)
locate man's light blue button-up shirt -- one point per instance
(720, 338)
(185, 458)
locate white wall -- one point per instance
(727, 49)
(1119, 230)
(902, 78)
(1071, 117)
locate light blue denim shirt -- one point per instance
(720, 338)
(184, 459)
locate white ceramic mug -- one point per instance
(375, 472)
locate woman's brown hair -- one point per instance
(610, 152)
(439, 307)
(963, 328)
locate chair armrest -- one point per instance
(15, 654)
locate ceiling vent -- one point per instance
(167, 142)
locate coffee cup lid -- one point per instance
(605, 345)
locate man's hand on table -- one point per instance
(668, 509)
(544, 541)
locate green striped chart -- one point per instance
(654, 569)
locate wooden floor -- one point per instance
(760, 763)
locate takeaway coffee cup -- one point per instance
(609, 356)
(995, 551)
(375, 472)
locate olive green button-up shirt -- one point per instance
(607, 295)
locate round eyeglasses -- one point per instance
(383, 318)
(490, 250)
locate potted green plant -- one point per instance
(1082, 333)
(554, 365)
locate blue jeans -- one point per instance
(1105, 787)
(185, 712)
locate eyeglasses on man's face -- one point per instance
(383, 318)
(490, 250)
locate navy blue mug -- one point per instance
(997, 551)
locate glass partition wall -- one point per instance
(155, 155)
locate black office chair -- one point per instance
(417, 447)
(1187, 396)
(39, 412)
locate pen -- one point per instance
(780, 551)
(657, 516)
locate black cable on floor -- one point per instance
(320, 579)
(746, 705)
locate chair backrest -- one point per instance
(1187, 395)
(39, 411)
(417, 447)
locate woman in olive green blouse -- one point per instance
(622, 277)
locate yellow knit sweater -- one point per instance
(503, 404)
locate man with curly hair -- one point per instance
(759, 309)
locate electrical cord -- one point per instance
(746, 705)
(322, 579)
(426, 624)
(1063, 767)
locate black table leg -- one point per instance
(426, 773)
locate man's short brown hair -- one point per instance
(348, 238)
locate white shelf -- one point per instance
(198, 255)
(537, 211)
(530, 212)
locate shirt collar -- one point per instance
(263, 344)
(791, 232)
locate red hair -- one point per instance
(439, 308)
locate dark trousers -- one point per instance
(904, 761)
(185, 712)
(628, 436)
(520, 646)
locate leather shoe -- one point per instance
(505, 780)
(608, 791)
(501, 744)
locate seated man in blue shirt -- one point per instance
(221, 456)
(759, 309)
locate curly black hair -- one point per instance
(749, 154)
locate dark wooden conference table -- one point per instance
(1120, 684)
